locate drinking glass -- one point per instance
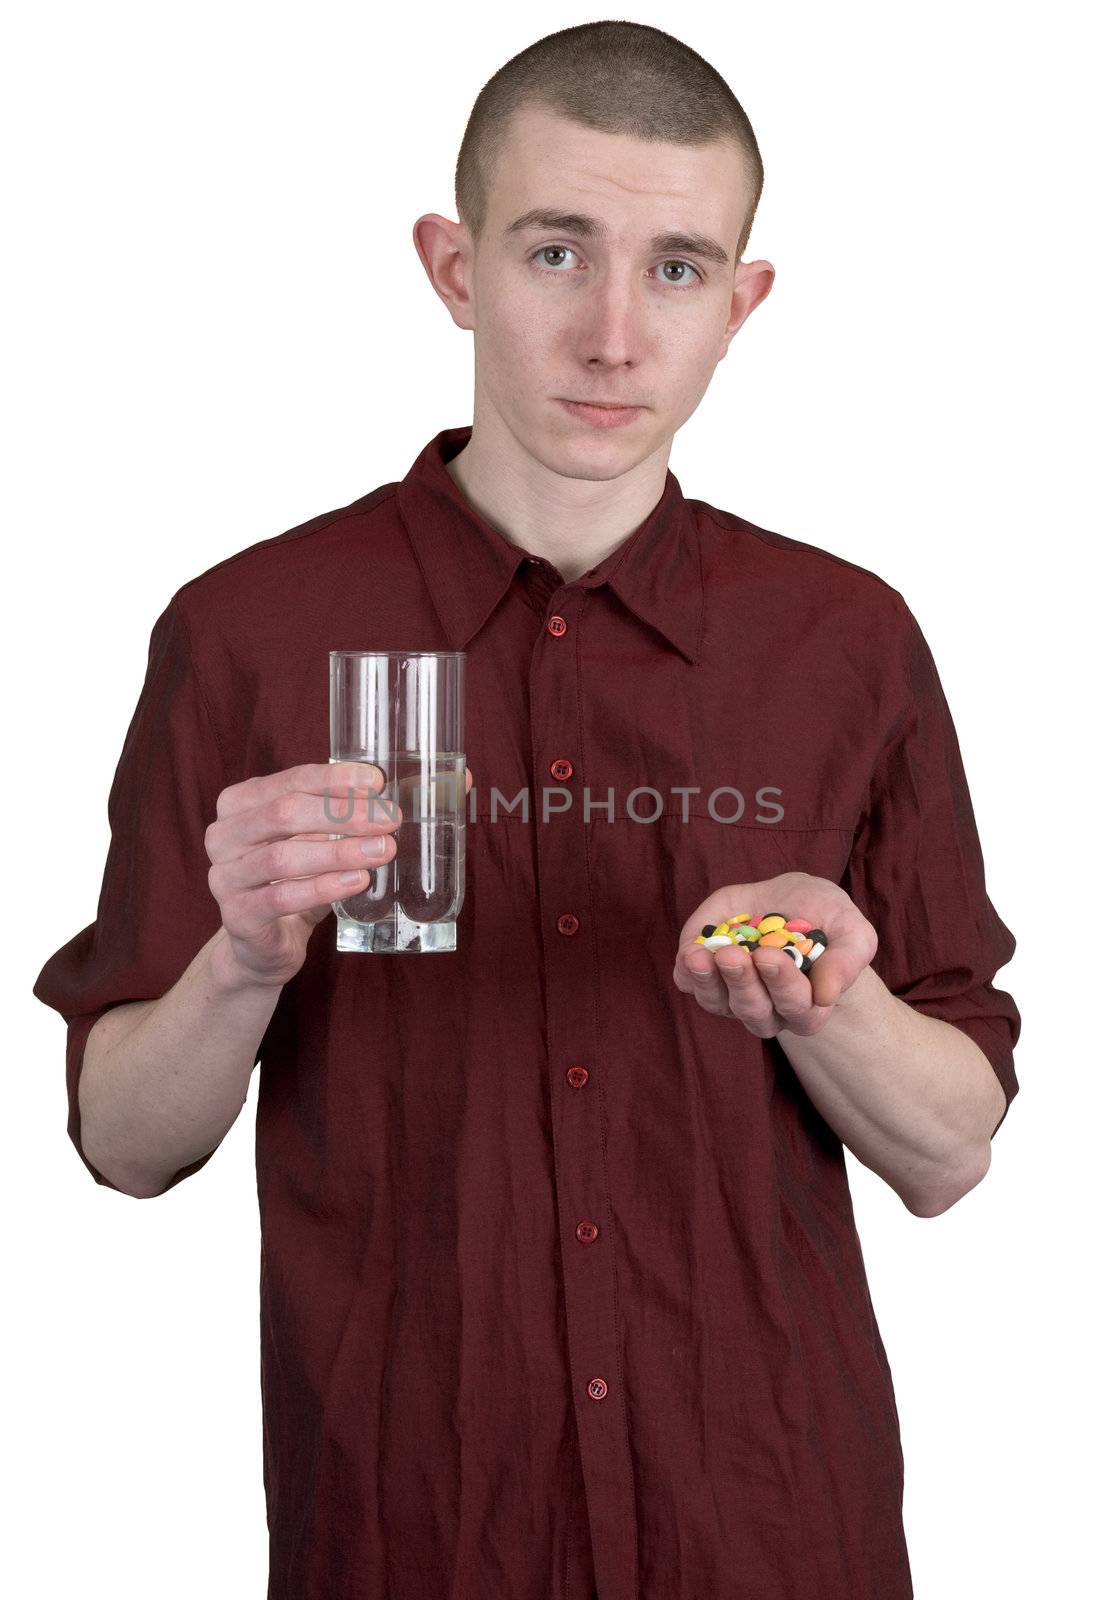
(403, 711)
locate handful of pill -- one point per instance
(768, 930)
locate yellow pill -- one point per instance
(723, 927)
(699, 939)
(742, 916)
(770, 924)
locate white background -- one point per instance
(216, 327)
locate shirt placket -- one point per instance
(567, 922)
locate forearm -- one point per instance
(913, 1097)
(163, 1081)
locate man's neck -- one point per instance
(572, 523)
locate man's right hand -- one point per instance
(275, 869)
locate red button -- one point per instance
(567, 923)
(557, 626)
(586, 1232)
(597, 1388)
(561, 768)
(577, 1077)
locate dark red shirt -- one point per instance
(560, 1282)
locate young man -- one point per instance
(561, 1287)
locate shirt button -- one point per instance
(557, 626)
(577, 1077)
(561, 768)
(597, 1388)
(586, 1232)
(567, 923)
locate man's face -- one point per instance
(560, 315)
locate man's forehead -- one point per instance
(578, 182)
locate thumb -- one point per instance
(834, 971)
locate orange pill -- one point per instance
(804, 946)
(776, 939)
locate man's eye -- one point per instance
(564, 250)
(673, 262)
(553, 249)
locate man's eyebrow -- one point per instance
(585, 227)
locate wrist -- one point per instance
(227, 975)
(866, 998)
(857, 994)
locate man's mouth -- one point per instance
(601, 414)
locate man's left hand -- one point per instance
(763, 987)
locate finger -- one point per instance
(788, 988)
(746, 996)
(703, 980)
(299, 858)
(311, 777)
(294, 813)
(246, 914)
(711, 911)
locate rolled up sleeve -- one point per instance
(917, 873)
(155, 908)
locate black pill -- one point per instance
(815, 936)
(709, 929)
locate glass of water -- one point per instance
(403, 711)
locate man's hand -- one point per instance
(764, 988)
(277, 865)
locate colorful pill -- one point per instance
(768, 930)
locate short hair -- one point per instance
(618, 77)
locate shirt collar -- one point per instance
(469, 565)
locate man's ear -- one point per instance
(446, 252)
(752, 282)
